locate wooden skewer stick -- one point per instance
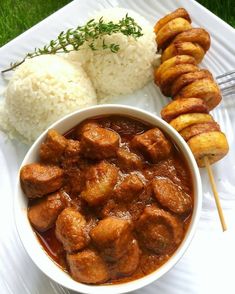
(216, 195)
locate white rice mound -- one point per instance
(42, 90)
(126, 71)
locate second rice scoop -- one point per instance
(127, 70)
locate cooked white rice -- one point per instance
(131, 68)
(42, 90)
(45, 88)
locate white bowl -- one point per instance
(29, 239)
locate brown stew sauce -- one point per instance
(127, 128)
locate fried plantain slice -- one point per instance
(170, 30)
(205, 89)
(197, 129)
(185, 48)
(172, 73)
(179, 59)
(214, 145)
(183, 106)
(180, 12)
(184, 120)
(195, 35)
(188, 78)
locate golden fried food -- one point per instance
(188, 78)
(194, 90)
(184, 120)
(205, 89)
(170, 30)
(172, 73)
(185, 48)
(195, 35)
(214, 145)
(183, 106)
(197, 129)
(180, 12)
(179, 59)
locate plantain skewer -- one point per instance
(178, 77)
(215, 193)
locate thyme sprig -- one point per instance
(73, 39)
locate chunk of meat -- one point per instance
(114, 208)
(128, 161)
(173, 168)
(88, 267)
(99, 143)
(170, 195)
(38, 179)
(153, 144)
(44, 213)
(158, 230)
(125, 210)
(131, 209)
(74, 179)
(53, 148)
(85, 126)
(164, 168)
(129, 262)
(126, 127)
(112, 236)
(149, 262)
(71, 153)
(129, 188)
(71, 230)
(100, 181)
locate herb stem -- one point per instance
(89, 33)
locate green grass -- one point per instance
(16, 16)
(225, 9)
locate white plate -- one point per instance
(209, 264)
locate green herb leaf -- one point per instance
(73, 39)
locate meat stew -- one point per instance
(110, 200)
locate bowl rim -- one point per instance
(22, 224)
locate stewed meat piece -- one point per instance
(100, 181)
(99, 143)
(85, 126)
(153, 144)
(38, 179)
(71, 153)
(112, 236)
(149, 261)
(71, 230)
(129, 188)
(53, 148)
(128, 161)
(88, 267)
(158, 230)
(113, 208)
(44, 213)
(164, 168)
(74, 178)
(170, 195)
(129, 262)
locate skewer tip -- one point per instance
(215, 193)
